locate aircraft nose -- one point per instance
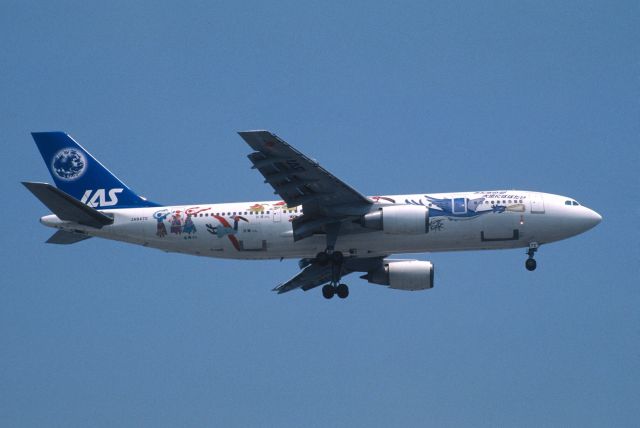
(590, 219)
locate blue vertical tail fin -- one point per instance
(80, 175)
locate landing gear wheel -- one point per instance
(530, 264)
(342, 291)
(328, 291)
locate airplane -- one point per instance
(332, 228)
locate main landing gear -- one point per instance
(531, 264)
(342, 290)
(335, 259)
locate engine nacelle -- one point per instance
(410, 275)
(399, 219)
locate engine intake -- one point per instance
(398, 219)
(410, 275)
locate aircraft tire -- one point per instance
(530, 264)
(342, 291)
(328, 291)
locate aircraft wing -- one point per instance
(315, 274)
(300, 180)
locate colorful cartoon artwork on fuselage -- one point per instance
(179, 221)
(189, 226)
(176, 222)
(256, 208)
(455, 207)
(464, 208)
(160, 216)
(377, 199)
(226, 229)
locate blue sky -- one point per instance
(396, 97)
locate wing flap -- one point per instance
(308, 278)
(314, 274)
(63, 237)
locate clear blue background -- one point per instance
(392, 97)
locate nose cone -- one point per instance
(589, 219)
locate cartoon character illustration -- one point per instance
(161, 230)
(282, 205)
(189, 226)
(384, 198)
(226, 229)
(457, 208)
(176, 222)
(474, 204)
(257, 208)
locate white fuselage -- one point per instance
(263, 230)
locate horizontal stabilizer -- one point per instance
(65, 238)
(67, 207)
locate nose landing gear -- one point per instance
(531, 264)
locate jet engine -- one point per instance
(398, 219)
(410, 275)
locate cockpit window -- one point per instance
(575, 203)
(567, 202)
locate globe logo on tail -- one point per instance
(69, 164)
